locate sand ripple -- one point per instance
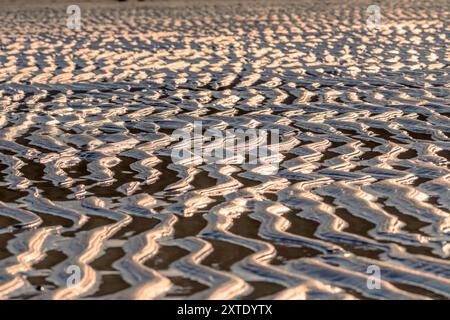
(86, 177)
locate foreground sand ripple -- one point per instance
(86, 177)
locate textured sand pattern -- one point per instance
(86, 177)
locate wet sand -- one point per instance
(86, 177)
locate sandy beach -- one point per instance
(93, 205)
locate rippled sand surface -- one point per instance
(86, 177)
